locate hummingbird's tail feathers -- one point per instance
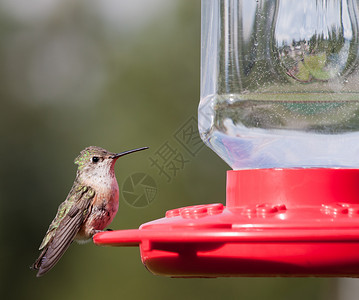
(59, 244)
(46, 263)
(37, 263)
(65, 233)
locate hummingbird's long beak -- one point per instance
(117, 155)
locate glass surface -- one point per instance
(280, 82)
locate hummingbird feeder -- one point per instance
(280, 104)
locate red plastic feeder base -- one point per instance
(277, 222)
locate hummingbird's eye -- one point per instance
(95, 159)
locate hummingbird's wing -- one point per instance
(69, 218)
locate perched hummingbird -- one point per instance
(89, 207)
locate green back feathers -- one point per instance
(78, 193)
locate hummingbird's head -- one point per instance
(96, 161)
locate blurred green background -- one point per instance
(117, 74)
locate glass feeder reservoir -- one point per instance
(279, 86)
(280, 105)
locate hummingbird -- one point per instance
(89, 208)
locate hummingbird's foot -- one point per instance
(93, 232)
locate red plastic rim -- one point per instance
(277, 222)
(292, 186)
